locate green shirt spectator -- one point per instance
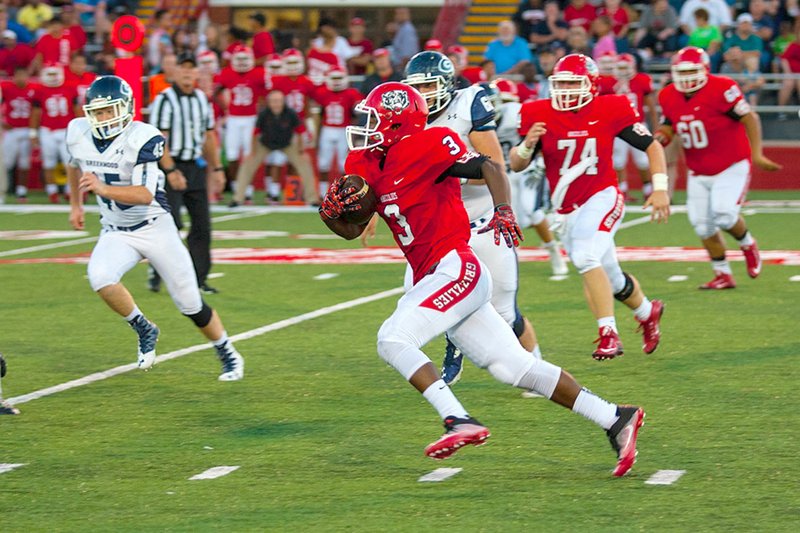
(704, 35)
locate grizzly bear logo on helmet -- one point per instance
(395, 100)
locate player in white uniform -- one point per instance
(469, 112)
(117, 158)
(530, 194)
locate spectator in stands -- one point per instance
(361, 46)
(384, 71)
(460, 59)
(54, 46)
(750, 44)
(619, 17)
(604, 38)
(93, 13)
(488, 70)
(434, 45)
(781, 42)
(160, 42)
(529, 14)
(705, 35)
(14, 55)
(719, 14)
(550, 30)
(764, 24)
(34, 14)
(749, 79)
(329, 40)
(790, 63)
(164, 79)
(406, 42)
(509, 51)
(8, 23)
(528, 88)
(389, 33)
(73, 28)
(658, 28)
(263, 45)
(580, 13)
(578, 41)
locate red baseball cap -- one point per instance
(379, 52)
(357, 21)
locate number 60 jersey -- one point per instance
(573, 136)
(130, 158)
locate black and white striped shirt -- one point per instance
(185, 118)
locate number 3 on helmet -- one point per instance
(394, 110)
(573, 83)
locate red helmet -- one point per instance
(690, 67)
(573, 83)
(52, 74)
(274, 63)
(461, 53)
(294, 63)
(336, 80)
(507, 90)
(606, 63)
(208, 62)
(242, 58)
(394, 110)
(625, 69)
(434, 44)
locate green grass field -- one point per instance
(329, 438)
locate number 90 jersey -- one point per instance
(130, 158)
(424, 213)
(575, 136)
(707, 124)
(470, 110)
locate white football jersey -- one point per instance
(130, 158)
(470, 110)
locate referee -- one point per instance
(185, 117)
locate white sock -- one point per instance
(609, 321)
(444, 401)
(647, 189)
(643, 311)
(135, 313)
(721, 266)
(550, 245)
(537, 352)
(747, 240)
(623, 187)
(596, 409)
(248, 192)
(274, 189)
(219, 343)
(51, 188)
(22, 190)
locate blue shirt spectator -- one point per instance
(509, 51)
(406, 42)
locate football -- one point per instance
(366, 199)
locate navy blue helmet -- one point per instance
(428, 68)
(109, 106)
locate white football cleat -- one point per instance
(557, 262)
(148, 336)
(232, 363)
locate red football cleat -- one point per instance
(721, 281)
(623, 436)
(609, 345)
(54, 199)
(458, 433)
(753, 259)
(650, 329)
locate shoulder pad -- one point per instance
(76, 129)
(146, 141)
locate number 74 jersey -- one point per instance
(576, 136)
(130, 158)
(707, 124)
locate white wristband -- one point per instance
(33, 133)
(523, 151)
(660, 182)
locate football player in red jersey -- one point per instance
(720, 135)
(337, 101)
(605, 65)
(17, 106)
(419, 198)
(54, 105)
(245, 84)
(638, 87)
(81, 78)
(575, 131)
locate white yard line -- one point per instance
(665, 477)
(214, 473)
(8, 467)
(99, 376)
(440, 474)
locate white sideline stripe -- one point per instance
(326, 275)
(440, 474)
(73, 242)
(665, 477)
(213, 473)
(8, 467)
(99, 376)
(794, 278)
(677, 277)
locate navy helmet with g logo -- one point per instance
(432, 67)
(109, 106)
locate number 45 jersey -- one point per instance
(707, 124)
(575, 136)
(130, 158)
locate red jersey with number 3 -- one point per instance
(337, 106)
(17, 104)
(712, 138)
(297, 90)
(245, 88)
(426, 215)
(574, 136)
(58, 105)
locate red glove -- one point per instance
(504, 223)
(338, 201)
